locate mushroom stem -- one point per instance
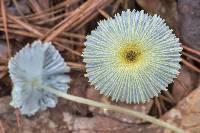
(115, 108)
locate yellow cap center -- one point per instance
(129, 54)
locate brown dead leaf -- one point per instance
(187, 113)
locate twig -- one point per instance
(89, 18)
(57, 29)
(191, 50)
(157, 103)
(166, 99)
(75, 66)
(3, 10)
(103, 13)
(115, 108)
(3, 60)
(25, 25)
(29, 34)
(2, 130)
(2, 74)
(3, 68)
(53, 19)
(116, 6)
(162, 104)
(125, 121)
(90, 14)
(66, 48)
(35, 6)
(190, 65)
(103, 130)
(125, 4)
(13, 26)
(187, 90)
(83, 13)
(17, 114)
(18, 9)
(191, 57)
(40, 34)
(57, 8)
(171, 98)
(43, 14)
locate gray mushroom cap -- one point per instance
(34, 66)
(132, 57)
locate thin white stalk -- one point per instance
(116, 109)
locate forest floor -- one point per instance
(66, 23)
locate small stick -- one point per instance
(191, 57)
(3, 68)
(115, 108)
(103, 13)
(171, 98)
(2, 130)
(190, 65)
(60, 27)
(18, 9)
(157, 103)
(191, 50)
(40, 34)
(78, 66)
(17, 114)
(3, 10)
(2, 74)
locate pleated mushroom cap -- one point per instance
(132, 57)
(34, 66)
